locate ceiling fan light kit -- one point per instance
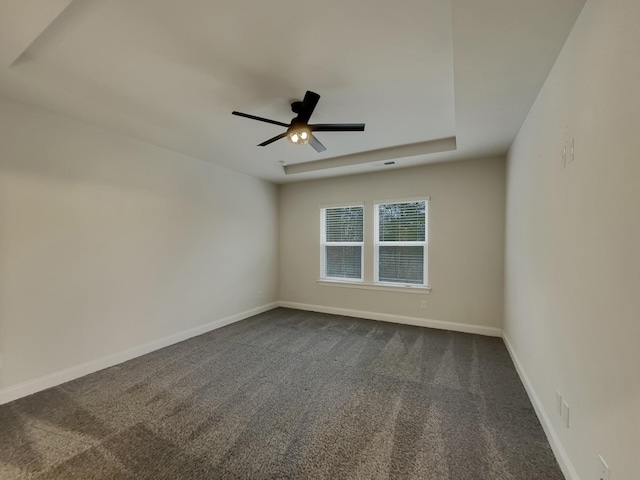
(299, 132)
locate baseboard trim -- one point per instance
(565, 463)
(385, 317)
(56, 378)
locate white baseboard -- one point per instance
(385, 317)
(566, 466)
(53, 379)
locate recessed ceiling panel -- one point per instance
(170, 73)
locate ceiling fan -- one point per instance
(299, 131)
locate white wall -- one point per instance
(466, 241)
(107, 243)
(572, 308)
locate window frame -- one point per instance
(324, 244)
(377, 244)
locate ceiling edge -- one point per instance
(401, 151)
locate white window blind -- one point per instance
(400, 243)
(342, 235)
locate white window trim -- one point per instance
(388, 287)
(324, 244)
(377, 244)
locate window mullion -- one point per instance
(401, 244)
(343, 244)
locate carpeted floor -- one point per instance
(288, 395)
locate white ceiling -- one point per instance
(169, 72)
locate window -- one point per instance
(400, 243)
(397, 252)
(341, 241)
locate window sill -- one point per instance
(376, 286)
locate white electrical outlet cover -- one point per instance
(558, 402)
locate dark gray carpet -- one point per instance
(288, 395)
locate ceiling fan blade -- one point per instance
(315, 143)
(308, 106)
(271, 140)
(337, 127)
(260, 119)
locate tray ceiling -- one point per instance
(170, 72)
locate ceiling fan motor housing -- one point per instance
(296, 107)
